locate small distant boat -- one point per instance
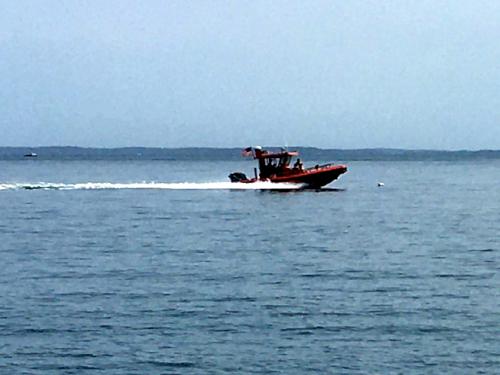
(31, 155)
(275, 167)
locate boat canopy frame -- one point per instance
(267, 165)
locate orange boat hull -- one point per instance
(312, 177)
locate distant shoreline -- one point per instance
(234, 153)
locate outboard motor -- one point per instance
(237, 177)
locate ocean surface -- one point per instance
(156, 267)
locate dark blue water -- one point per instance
(103, 274)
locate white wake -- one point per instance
(260, 185)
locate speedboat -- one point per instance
(275, 167)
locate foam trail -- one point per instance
(261, 185)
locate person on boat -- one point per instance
(298, 165)
(271, 167)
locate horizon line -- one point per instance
(242, 147)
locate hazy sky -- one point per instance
(332, 74)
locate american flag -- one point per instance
(247, 151)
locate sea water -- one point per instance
(149, 267)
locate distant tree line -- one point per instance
(206, 153)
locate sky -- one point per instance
(330, 74)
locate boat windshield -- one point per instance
(285, 161)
